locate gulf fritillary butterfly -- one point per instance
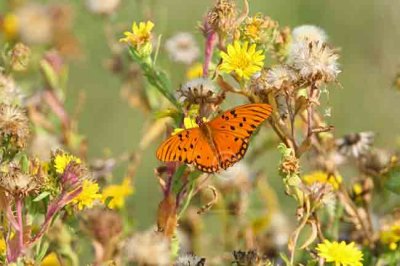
(218, 143)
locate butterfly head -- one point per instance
(200, 121)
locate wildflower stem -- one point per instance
(20, 224)
(210, 43)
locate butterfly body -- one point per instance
(216, 144)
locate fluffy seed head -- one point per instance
(182, 48)
(309, 33)
(14, 125)
(198, 91)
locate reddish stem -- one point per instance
(20, 225)
(210, 43)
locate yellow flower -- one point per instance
(62, 160)
(3, 245)
(188, 122)
(140, 35)
(90, 193)
(340, 253)
(242, 59)
(50, 260)
(391, 236)
(322, 177)
(117, 193)
(195, 71)
(10, 26)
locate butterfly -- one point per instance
(216, 144)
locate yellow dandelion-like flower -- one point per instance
(341, 254)
(242, 59)
(10, 26)
(117, 193)
(195, 71)
(50, 260)
(391, 236)
(3, 245)
(62, 160)
(89, 194)
(322, 177)
(140, 34)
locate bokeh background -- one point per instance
(367, 33)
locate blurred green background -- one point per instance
(367, 33)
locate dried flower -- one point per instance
(198, 91)
(148, 248)
(238, 176)
(242, 59)
(280, 77)
(61, 161)
(309, 33)
(19, 57)
(314, 61)
(377, 162)
(102, 7)
(222, 17)
(182, 48)
(341, 254)
(18, 183)
(140, 37)
(356, 144)
(35, 24)
(195, 71)
(290, 165)
(89, 194)
(323, 178)
(41, 145)
(321, 194)
(190, 260)
(117, 194)
(10, 93)
(14, 125)
(106, 231)
(259, 29)
(251, 257)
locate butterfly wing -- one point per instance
(231, 130)
(191, 147)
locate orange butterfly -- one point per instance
(216, 144)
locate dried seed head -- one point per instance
(290, 166)
(309, 33)
(147, 248)
(102, 7)
(190, 260)
(198, 91)
(14, 125)
(315, 61)
(222, 17)
(321, 194)
(279, 77)
(250, 257)
(35, 24)
(376, 162)
(19, 57)
(105, 230)
(17, 183)
(182, 48)
(356, 144)
(238, 176)
(10, 93)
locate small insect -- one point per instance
(217, 144)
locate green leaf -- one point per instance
(41, 196)
(285, 259)
(24, 161)
(176, 179)
(393, 180)
(41, 251)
